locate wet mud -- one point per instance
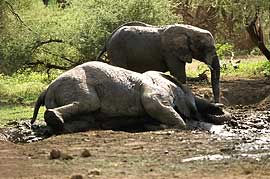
(249, 124)
(243, 142)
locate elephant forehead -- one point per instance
(197, 33)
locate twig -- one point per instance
(18, 17)
(40, 43)
(47, 65)
(65, 58)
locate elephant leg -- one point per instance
(56, 117)
(160, 109)
(118, 58)
(177, 68)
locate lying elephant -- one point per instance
(99, 89)
(141, 47)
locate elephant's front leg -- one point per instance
(177, 68)
(160, 109)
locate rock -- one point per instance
(55, 154)
(77, 176)
(85, 153)
(94, 172)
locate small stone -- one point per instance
(86, 153)
(95, 172)
(55, 154)
(77, 176)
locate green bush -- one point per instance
(265, 68)
(22, 88)
(224, 50)
(79, 30)
(248, 68)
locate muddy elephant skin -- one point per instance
(141, 47)
(99, 89)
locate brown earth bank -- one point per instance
(238, 149)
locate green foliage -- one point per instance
(224, 50)
(248, 68)
(67, 37)
(264, 69)
(21, 88)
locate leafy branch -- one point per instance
(39, 43)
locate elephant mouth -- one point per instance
(217, 116)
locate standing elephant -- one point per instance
(141, 47)
(104, 91)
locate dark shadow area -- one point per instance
(245, 92)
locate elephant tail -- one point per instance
(39, 102)
(104, 49)
(132, 23)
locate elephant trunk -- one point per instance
(218, 117)
(212, 113)
(215, 77)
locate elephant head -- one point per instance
(184, 100)
(194, 107)
(185, 42)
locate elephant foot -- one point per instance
(54, 120)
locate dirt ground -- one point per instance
(241, 149)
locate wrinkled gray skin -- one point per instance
(99, 89)
(141, 47)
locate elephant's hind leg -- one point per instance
(56, 117)
(160, 109)
(53, 120)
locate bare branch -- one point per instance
(47, 65)
(62, 57)
(17, 16)
(40, 43)
(50, 41)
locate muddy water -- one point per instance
(246, 135)
(248, 129)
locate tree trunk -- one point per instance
(256, 35)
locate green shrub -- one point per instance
(265, 68)
(224, 50)
(248, 68)
(79, 30)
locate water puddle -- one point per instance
(216, 157)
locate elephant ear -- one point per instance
(175, 43)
